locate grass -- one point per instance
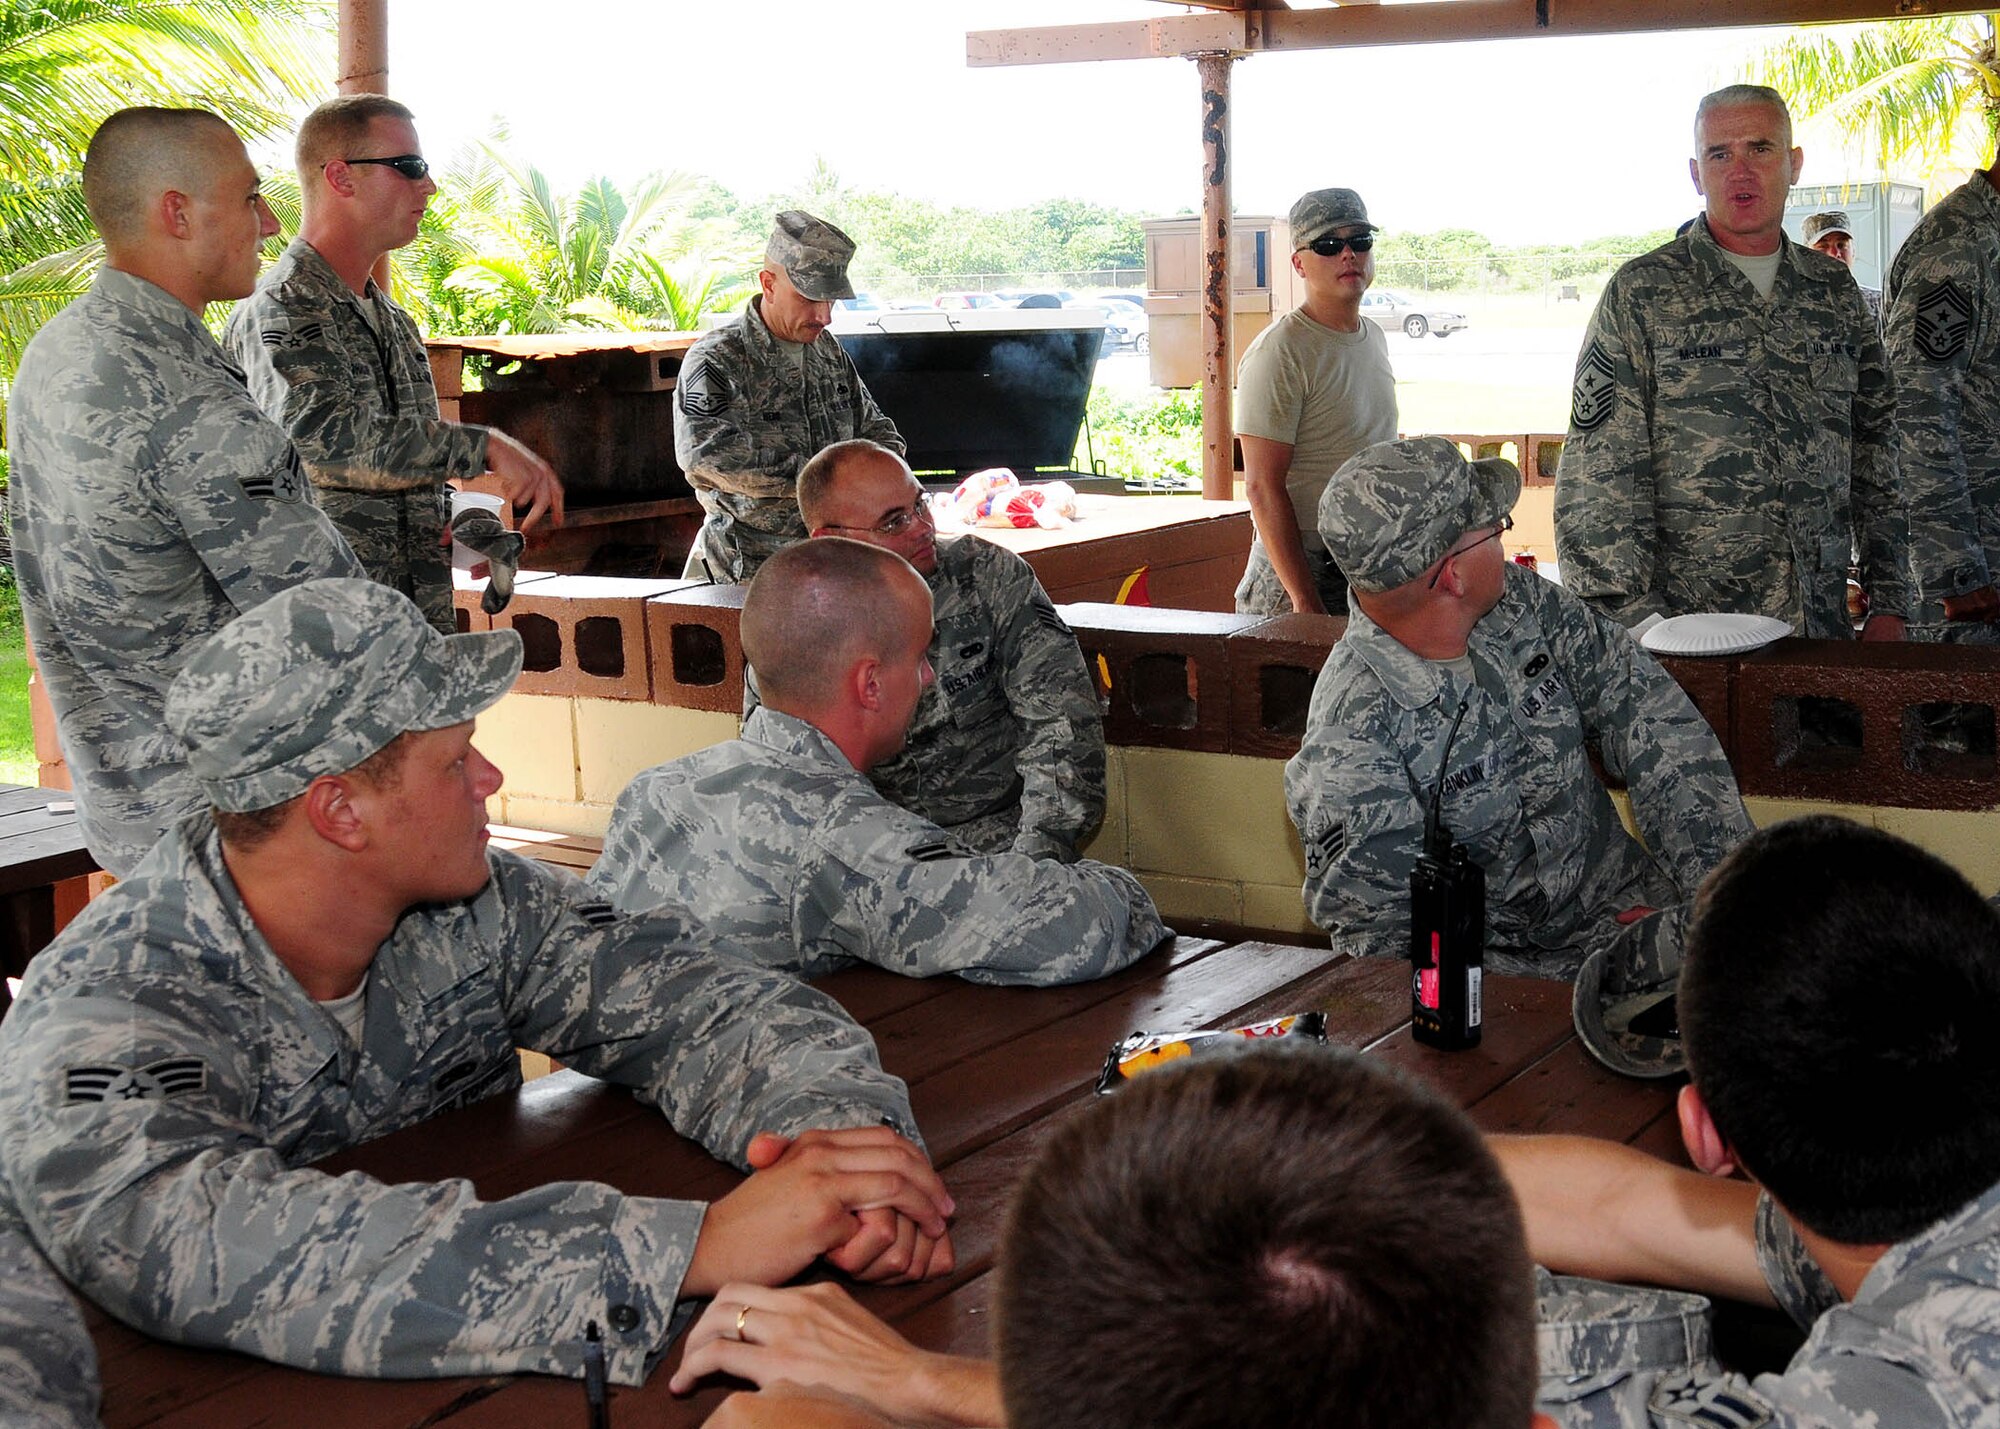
(17, 733)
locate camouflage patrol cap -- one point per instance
(1323, 210)
(318, 678)
(813, 253)
(1620, 1002)
(1393, 510)
(1832, 221)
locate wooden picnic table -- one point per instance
(40, 847)
(992, 1072)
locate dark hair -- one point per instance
(1839, 1004)
(1275, 1238)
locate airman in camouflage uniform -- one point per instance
(1729, 451)
(1539, 677)
(1006, 751)
(183, 1052)
(343, 369)
(758, 396)
(781, 850)
(48, 1367)
(1943, 330)
(1869, 1114)
(1832, 233)
(150, 499)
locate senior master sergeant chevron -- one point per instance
(1732, 437)
(779, 848)
(1006, 750)
(1440, 621)
(335, 954)
(758, 396)
(150, 499)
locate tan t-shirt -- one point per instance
(1327, 393)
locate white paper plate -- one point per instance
(1713, 634)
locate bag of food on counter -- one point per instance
(996, 497)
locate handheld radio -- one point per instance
(1447, 928)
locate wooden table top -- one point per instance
(992, 1071)
(1100, 517)
(39, 846)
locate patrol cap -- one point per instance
(317, 679)
(813, 253)
(1323, 210)
(1392, 510)
(1620, 1002)
(1832, 221)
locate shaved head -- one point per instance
(820, 477)
(138, 154)
(817, 607)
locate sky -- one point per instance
(1524, 140)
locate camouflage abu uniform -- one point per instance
(1006, 751)
(354, 389)
(48, 1367)
(1917, 1348)
(165, 1078)
(1729, 453)
(1543, 675)
(779, 850)
(150, 501)
(1943, 330)
(750, 409)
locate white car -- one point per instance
(1387, 308)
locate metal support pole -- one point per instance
(1218, 366)
(364, 47)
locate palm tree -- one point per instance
(502, 251)
(66, 64)
(1923, 93)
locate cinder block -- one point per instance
(1168, 672)
(584, 635)
(1272, 669)
(533, 740)
(1113, 842)
(1278, 909)
(696, 638)
(467, 592)
(527, 812)
(1210, 816)
(1204, 899)
(1710, 682)
(617, 739)
(1799, 704)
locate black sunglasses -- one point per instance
(1328, 246)
(411, 166)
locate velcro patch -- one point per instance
(933, 851)
(1683, 1399)
(303, 334)
(1046, 615)
(1596, 389)
(1325, 847)
(597, 914)
(704, 392)
(283, 482)
(1944, 321)
(168, 1077)
(966, 652)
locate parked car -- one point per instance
(966, 300)
(859, 303)
(1036, 297)
(1122, 327)
(1388, 308)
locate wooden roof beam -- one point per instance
(1258, 31)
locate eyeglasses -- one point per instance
(1506, 525)
(1329, 246)
(411, 166)
(896, 522)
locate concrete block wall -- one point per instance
(1202, 709)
